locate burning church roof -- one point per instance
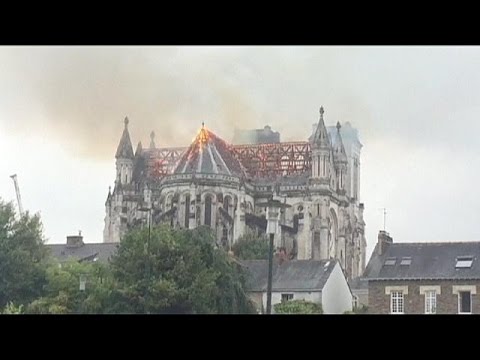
(209, 154)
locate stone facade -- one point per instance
(414, 302)
(209, 184)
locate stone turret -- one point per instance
(340, 160)
(124, 156)
(321, 149)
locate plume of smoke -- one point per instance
(79, 96)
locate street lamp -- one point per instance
(273, 207)
(149, 210)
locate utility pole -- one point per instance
(273, 207)
(270, 275)
(148, 210)
(17, 191)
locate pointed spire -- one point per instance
(320, 138)
(109, 196)
(139, 149)
(339, 153)
(152, 140)
(125, 149)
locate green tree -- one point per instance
(23, 257)
(297, 307)
(251, 246)
(11, 308)
(62, 293)
(177, 271)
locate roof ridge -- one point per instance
(436, 243)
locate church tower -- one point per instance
(115, 207)
(340, 161)
(124, 158)
(321, 149)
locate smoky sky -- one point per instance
(83, 93)
(416, 109)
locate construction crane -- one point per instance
(17, 191)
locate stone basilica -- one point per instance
(217, 184)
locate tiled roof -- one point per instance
(291, 275)
(86, 252)
(359, 283)
(424, 261)
(208, 154)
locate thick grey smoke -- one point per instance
(80, 95)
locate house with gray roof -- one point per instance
(318, 281)
(423, 278)
(76, 249)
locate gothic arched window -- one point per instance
(225, 236)
(333, 231)
(226, 204)
(187, 210)
(208, 210)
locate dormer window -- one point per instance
(406, 261)
(464, 262)
(390, 261)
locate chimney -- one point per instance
(361, 208)
(384, 241)
(74, 241)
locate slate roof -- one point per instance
(359, 283)
(428, 261)
(208, 154)
(292, 275)
(86, 252)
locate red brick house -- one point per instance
(423, 278)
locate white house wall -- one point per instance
(311, 296)
(336, 294)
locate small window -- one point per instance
(390, 261)
(430, 302)
(287, 297)
(396, 302)
(464, 262)
(464, 302)
(406, 261)
(124, 209)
